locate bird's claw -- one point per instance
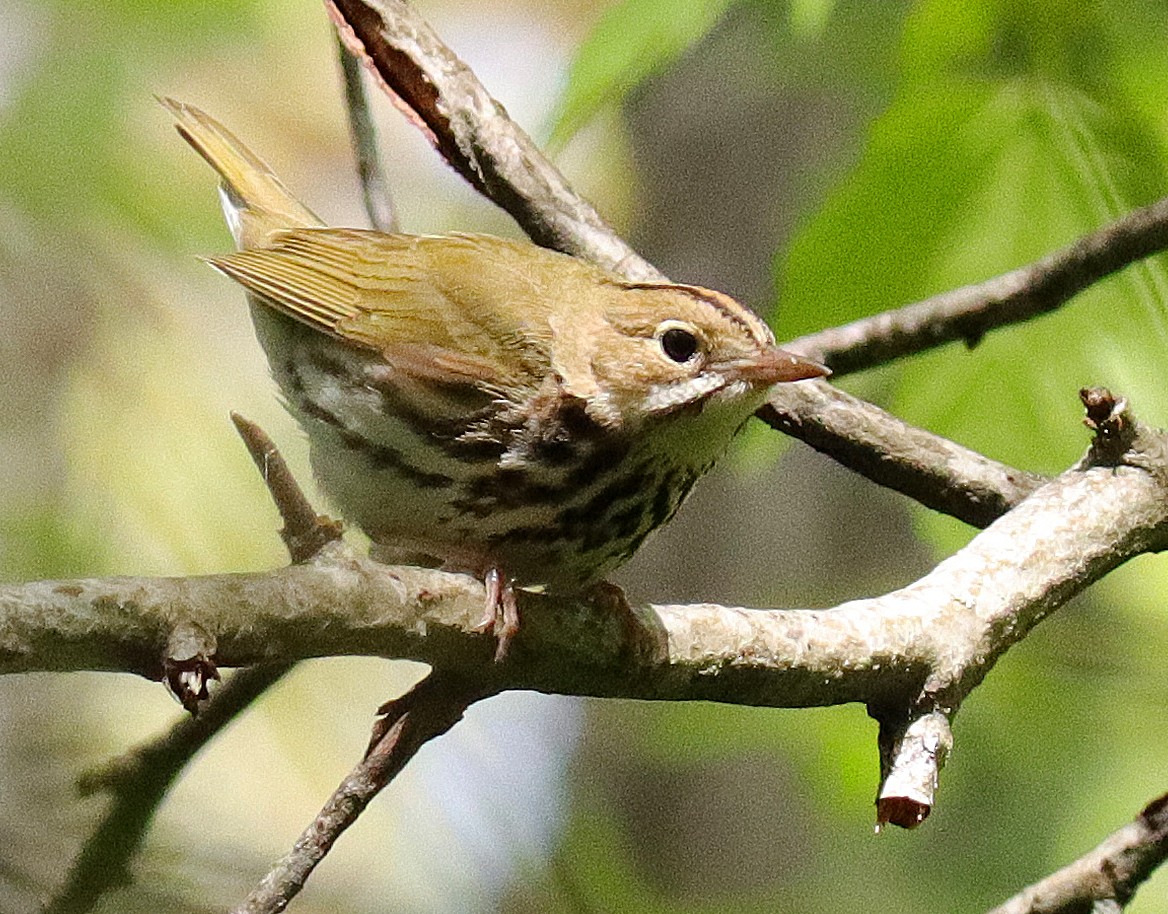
(501, 615)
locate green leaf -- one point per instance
(632, 40)
(862, 252)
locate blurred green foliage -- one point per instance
(632, 40)
(62, 138)
(1015, 129)
(983, 135)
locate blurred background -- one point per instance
(820, 159)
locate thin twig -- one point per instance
(431, 708)
(139, 780)
(1106, 878)
(363, 136)
(972, 311)
(305, 532)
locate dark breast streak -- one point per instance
(379, 455)
(574, 502)
(609, 526)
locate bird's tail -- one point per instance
(255, 202)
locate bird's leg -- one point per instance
(502, 611)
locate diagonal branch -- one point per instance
(305, 532)
(970, 312)
(139, 780)
(937, 472)
(1105, 878)
(427, 711)
(363, 136)
(472, 131)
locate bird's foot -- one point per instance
(501, 617)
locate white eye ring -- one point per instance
(679, 341)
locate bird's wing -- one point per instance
(446, 309)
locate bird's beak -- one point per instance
(775, 365)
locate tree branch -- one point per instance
(139, 780)
(441, 96)
(305, 532)
(445, 100)
(911, 656)
(363, 137)
(1106, 878)
(936, 637)
(970, 312)
(937, 472)
(428, 710)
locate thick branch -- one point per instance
(934, 639)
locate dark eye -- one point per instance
(680, 345)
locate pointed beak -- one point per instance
(775, 365)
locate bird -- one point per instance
(486, 405)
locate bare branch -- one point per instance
(923, 646)
(1106, 878)
(911, 656)
(363, 136)
(428, 710)
(140, 779)
(473, 133)
(972, 311)
(937, 472)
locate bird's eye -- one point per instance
(679, 344)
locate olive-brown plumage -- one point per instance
(484, 404)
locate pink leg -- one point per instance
(510, 626)
(500, 602)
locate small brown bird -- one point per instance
(486, 405)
